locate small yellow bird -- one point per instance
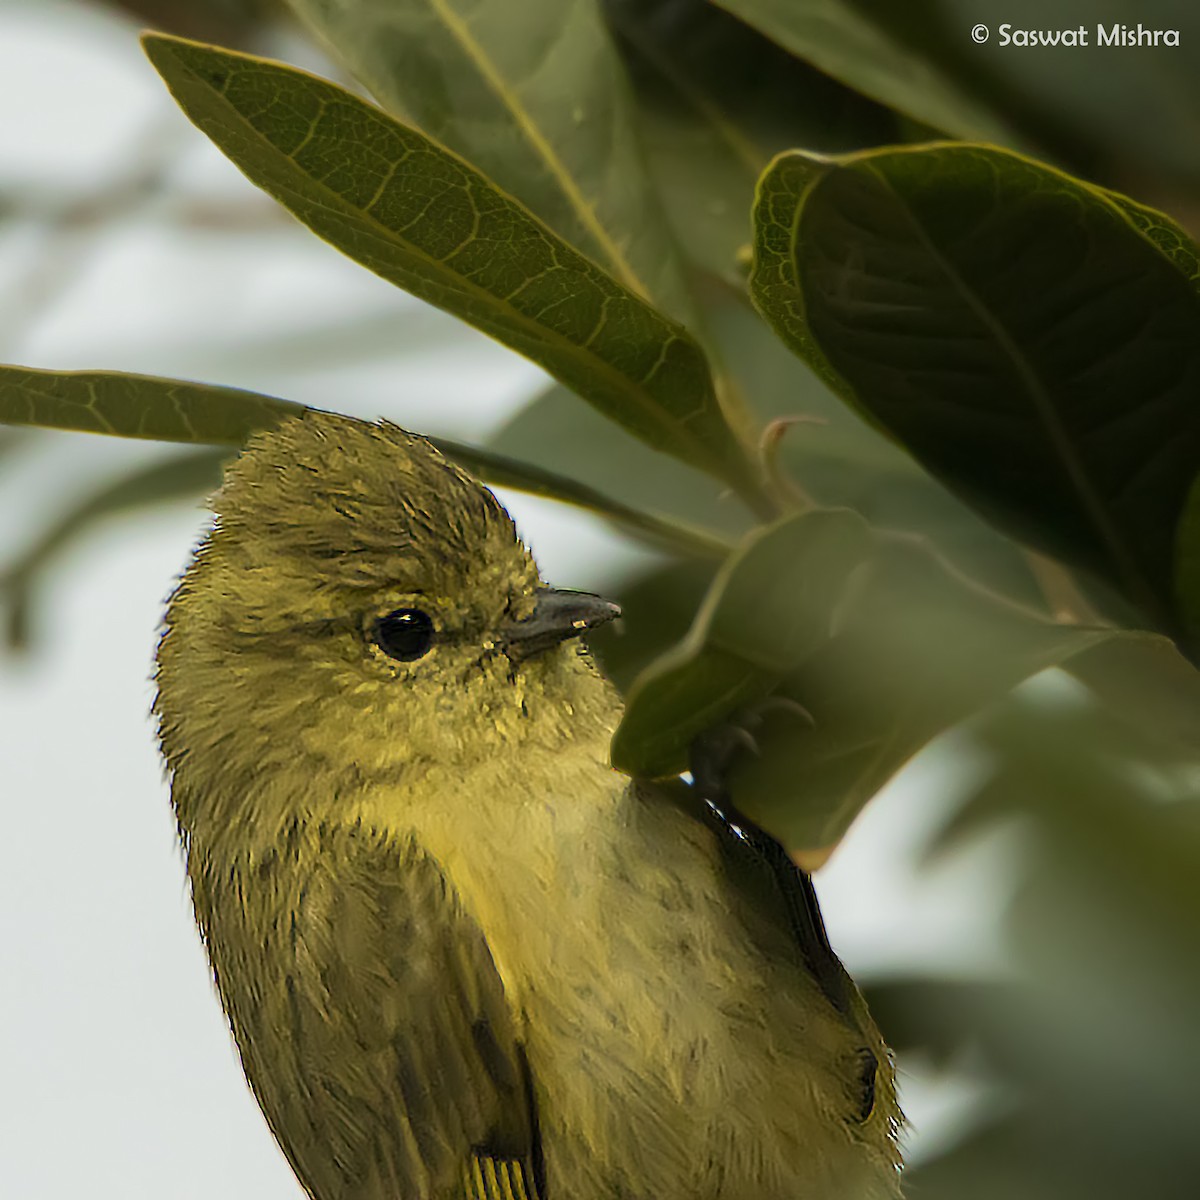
(462, 958)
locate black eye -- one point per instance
(868, 1070)
(405, 634)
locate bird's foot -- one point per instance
(713, 752)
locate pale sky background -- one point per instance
(119, 1078)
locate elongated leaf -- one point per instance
(1034, 344)
(137, 406)
(838, 37)
(144, 406)
(918, 648)
(559, 432)
(717, 101)
(417, 215)
(772, 604)
(538, 103)
(502, 471)
(188, 473)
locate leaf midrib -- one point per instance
(1040, 396)
(523, 118)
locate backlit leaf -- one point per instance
(144, 406)
(416, 214)
(1033, 343)
(771, 605)
(540, 105)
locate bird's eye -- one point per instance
(405, 634)
(868, 1070)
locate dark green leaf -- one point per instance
(173, 410)
(557, 430)
(772, 603)
(917, 649)
(137, 406)
(717, 101)
(502, 471)
(538, 104)
(422, 218)
(681, 695)
(838, 37)
(1028, 340)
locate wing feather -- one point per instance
(377, 1034)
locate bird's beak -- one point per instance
(556, 616)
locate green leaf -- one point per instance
(417, 215)
(1100, 921)
(834, 456)
(717, 100)
(1034, 344)
(136, 406)
(502, 471)
(875, 636)
(191, 473)
(837, 37)
(143, 406)
(771, 605)
(558, 431)
(917, 649)
(842, 462)
(539, 104)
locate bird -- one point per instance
(462, 958)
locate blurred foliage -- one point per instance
(907, 425)
(986, 266)
(182, 475)
(1090, 1039)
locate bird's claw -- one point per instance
(714, 751)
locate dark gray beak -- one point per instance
(556, 617)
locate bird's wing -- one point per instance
(764, 875)
(405, 1079)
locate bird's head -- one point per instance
(362, 608)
